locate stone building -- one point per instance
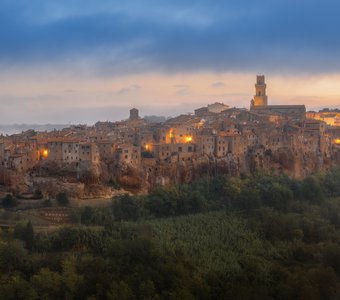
(128, 154)
(134, 114)
(88, 152)
(106, 150)
(55, 150)
(260, 104)
(211, 110)
(260, 98)
(330, 117)
(2, 151)
(70, 151)
(222, 145)
(206, 142)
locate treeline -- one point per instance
(253, 237)
(243, 194)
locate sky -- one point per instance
(80, 61)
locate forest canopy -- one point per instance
(247, 237)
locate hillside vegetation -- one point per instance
(253, 237)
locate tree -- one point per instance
(47, 284)
(9, 201)
(125, 207)
(279, 196)
(38, 194)
(24, 231)
(16, 288)
(29, 236)
(62, 199)
(120, 291)
(87, 215)
(71, 280)
(12, 255)
(312, 191)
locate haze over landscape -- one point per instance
(82, 61)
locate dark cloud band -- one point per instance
(173, 36)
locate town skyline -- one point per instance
(90, 111)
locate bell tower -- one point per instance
(260, 98)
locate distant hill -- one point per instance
(17, 128)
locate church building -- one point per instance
(260, 103)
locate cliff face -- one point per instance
(297, 164)
(283, 160)
(91, 180)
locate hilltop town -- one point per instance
(138, 155)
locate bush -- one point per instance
(38, 194)
(47, 203)
(9, 201)
(62, 199)
(125, 207)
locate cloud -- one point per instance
(130, 89)
(217, 85)
(108, 37)
(182, 90)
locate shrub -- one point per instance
(62, 199)
(9, 201)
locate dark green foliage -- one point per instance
(29, 236)
(47, 284)
(15, 287)
(312, 190)
(9, 201)
(125, 208)
(173, 201)
(24, 232)
(62, 199)
(38, 194)
(12, 255)
(330, 183)
(253, 237)
(87, 215)
(47, 203)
